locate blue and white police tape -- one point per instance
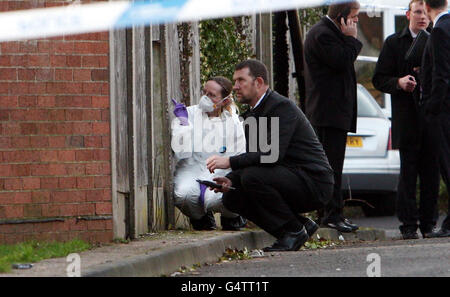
(102, 16)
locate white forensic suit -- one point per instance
(192, 145)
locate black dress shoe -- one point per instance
(350, 224)
(410, 235)
(289, 241)
(233, 224)
(337, 224)
(443, 232)
(310, 226)
(428, 231)
(409, 232)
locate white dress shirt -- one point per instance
(259, 101)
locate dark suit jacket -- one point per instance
(390, 67)
(330, 78)
(298, 143)
(436, 69)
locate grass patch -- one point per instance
(34, 251)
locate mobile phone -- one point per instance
(342, 17)
(211, 184)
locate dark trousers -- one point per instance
(270, 197)
(334, 141)
(422, 163)
(444, 157)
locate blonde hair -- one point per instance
(229, 106)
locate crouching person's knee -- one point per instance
(250, 178)
(215, 204)
(188, 205)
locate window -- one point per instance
(373, 28)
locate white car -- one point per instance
(371, 166)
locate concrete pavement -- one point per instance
(163, 253)
(390, 258)
(168, 260)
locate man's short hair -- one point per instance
(412, 1)
(255, 69)
(342, 9)
(436, 4)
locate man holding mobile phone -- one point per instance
(331, 49)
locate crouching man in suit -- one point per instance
(274, 183)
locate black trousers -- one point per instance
(334, 141)
(422, 163)
(444, 157)
(270, 197)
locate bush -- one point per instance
(223, 44)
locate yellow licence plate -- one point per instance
(354, 141)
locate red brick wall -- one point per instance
(54, 135)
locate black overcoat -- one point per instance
(330, 78)
(390, 67)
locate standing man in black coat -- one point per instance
(436, 89)
(331, 49)
(412, 134)
(274, 184)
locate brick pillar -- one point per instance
(55, 168)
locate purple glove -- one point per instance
(180, 112)
(202, 194)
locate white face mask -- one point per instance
(206, 104)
